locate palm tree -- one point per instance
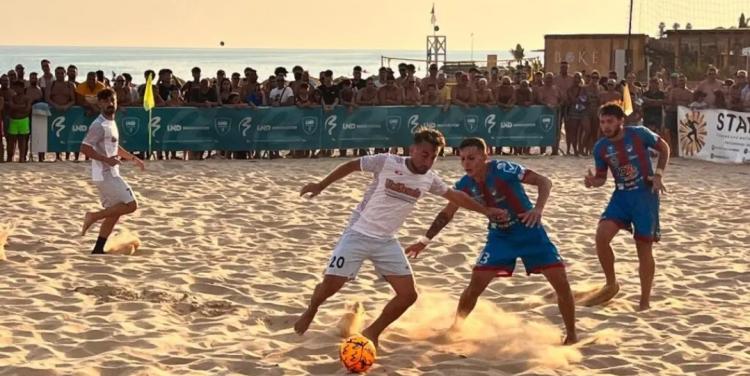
(518, 53)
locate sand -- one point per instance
(229, 255)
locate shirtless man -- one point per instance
(431, 96)
(679, 95)
(19, 111)
(390, 94)
(72, 72)
(549, 95)
(505, 94)
(302, 98)
(709, 85)
(61, 95)
(123, 93)
(463, 94)
(369, 95)
(431, 78)
(611, 94)
(590, 131)
(563, 81)
(524, 97)
(495, 81)
(346, 95)
(47, 76)
(734, 94)
(484, 95)
(412, 95)
(33, 91)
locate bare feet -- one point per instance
(88, 220)
(604, 295)
(570, 339)
(371, 336)
(303, 322)
(644, 306)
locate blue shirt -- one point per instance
(628, 158)
(502, 188)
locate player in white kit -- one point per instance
(398, 182)
(101, 144)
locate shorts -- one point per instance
(113, 190)
(353, 248)
(19, 127)
(532, 245)
(636, 211)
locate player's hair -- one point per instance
(429, 135)
(475, 142)
(106, 94)
(612, 109)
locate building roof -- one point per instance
(709, 31)
(592, 36)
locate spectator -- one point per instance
(368, 96)
(653, 105)
(463, 94)
(72, 72)
(86, 94)
(484, 94)
(412, 95)
(505, 94)
(390, 94)
(33, 91)
(19, 111)
(47, 76)
(281, 95)
(101, 78)
(709, 86)
(123, 93)
(699, 101)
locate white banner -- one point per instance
(714, 135)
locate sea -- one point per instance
(135, 60)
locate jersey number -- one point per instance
(484, 258)
(337, 262)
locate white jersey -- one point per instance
(103, 136)
(391, 196)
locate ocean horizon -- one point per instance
(135, 60)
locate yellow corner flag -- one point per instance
(627, 102)
(148, 96)
(148, 104)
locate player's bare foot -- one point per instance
(88, 220)
(604, 295)
(371, 336)
(644, 306)
(570, 339)
(303, 322)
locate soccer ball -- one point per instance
(357, 353)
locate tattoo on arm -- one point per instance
(440, 221)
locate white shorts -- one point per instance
(386, 255)
(113, 190)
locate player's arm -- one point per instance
(663, 148)
(89, 152)
(338, 173)
(443, 218)
(598, 179)
(126, 155)
(544, 186)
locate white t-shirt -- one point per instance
(103, 136)
(391, 196)
(281, 95)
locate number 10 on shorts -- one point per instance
(337, 262)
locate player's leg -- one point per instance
(343, 265)
(330, 285)
(406, 295)
(646, 232)
(480, 279)
(565, 302)
(495, 260)
(390, 261)
(605, 232)
(117, 198)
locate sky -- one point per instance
(337, 24)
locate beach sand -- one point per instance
(229, 255)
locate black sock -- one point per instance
(99, 247)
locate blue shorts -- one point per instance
(530, 244)
(636, 211)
